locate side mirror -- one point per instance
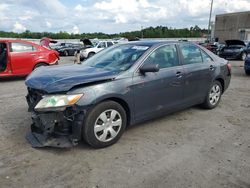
(149, 68)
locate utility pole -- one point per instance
(142, 32)
(209, 38)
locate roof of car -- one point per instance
(105, 41)
(16, 40)
(154, 42)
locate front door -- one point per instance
(161, 91)
(3, 57)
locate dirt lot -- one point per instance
(191, 148)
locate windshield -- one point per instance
(95, 43)
(117, 58)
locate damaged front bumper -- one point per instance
(56, 129)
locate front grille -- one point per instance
(33, 97)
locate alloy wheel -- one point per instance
(214, 95)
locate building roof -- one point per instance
(233, 13)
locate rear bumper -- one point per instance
(230, 55)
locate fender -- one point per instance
(128, 107)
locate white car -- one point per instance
(88, 52)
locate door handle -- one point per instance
(178, 74)
(211, 67)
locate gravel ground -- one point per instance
(191, 148)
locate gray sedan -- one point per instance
(121, 86)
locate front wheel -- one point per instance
(213, 96)
(104, 124)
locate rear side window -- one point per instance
(191, 54)
(21, 47)
(165, 56)
(205, 57)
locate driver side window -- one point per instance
(165, 56)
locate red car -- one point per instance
(19, 57)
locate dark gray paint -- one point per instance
(144, 96)
(162, 92)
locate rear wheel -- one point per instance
(213, 96)
(40, 65)
(65, 53)
(104, 124)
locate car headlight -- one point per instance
(57, 101)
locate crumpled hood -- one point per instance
(63, 78)
(235, 42)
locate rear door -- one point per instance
(160, 91)
(22, 57)
(199, 69)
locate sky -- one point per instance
(110, 16)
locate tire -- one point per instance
(213, 96)
(91, 54)
(247, 72)
(65, 53)
(40, 65)
(243, 56)
(98, 126)
(81, 58)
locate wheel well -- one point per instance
(40, 63)
(123, 104)
(222, 83)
